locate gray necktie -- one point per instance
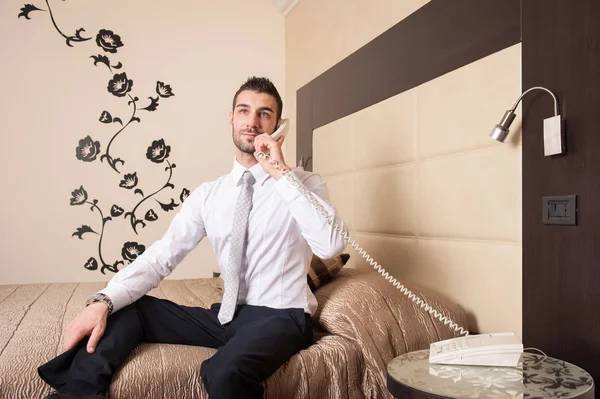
(237, 249)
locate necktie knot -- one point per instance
(247, 179)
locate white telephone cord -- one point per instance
(391, 279)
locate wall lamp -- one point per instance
(554, 142)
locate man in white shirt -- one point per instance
(274, 303)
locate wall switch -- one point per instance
(554, 142)
(560, 210)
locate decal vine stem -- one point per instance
(112, 268)
(111, 161)
(131, 214)
(76, 38)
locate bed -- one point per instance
(361, 324)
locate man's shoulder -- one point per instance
(206, 188)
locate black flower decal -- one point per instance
(151, 216)
(106, 117)
(87, 150)
(26, 9)
(184, 194)
(108, 41)
(131, 250)
(78, 196)
(119, 85)
(102, 59)
(129, 181)
(153, 104)
(158, 151)
(116, 211)
(91, 264)
(168, 207)
(82, 230)
(164, 90)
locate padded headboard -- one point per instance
(436, 39)
(400, 134)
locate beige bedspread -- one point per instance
(363, 323)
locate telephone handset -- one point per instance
(504, 347)
(282, 129)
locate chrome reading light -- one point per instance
(553, 137)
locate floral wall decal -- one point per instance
(108, 41)
(28, 8)
(131, 250)
(157, 152)
(129, 181)
(88, 150)
(120, 86)
(80, 197)
(184, 194)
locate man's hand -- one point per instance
(90, 322)
(264, 143)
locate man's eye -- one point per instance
(265, 115)
(243, 111)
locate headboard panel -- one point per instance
(399, 129)
(436, 39)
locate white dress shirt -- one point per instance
(283, 228)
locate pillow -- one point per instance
(322, 271)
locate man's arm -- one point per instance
(158, 261)
(324, 240)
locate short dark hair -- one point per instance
(261, 85)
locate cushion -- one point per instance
(322, 271)
(362, 307)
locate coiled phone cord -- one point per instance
(391, 279)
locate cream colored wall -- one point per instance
(53, 96)
(421, 185)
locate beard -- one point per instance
(240, 143)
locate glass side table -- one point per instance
(411, 376)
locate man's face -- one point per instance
(254, 113)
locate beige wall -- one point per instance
(416, 177)
(53, 97)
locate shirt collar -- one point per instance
(257, 171)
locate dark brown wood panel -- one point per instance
(561, 264)
(436, 39)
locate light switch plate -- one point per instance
(561, 210)
(554, 142)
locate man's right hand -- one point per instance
(90, 322)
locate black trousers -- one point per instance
(250, 348)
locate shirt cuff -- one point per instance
(287, 190)
(118, 295)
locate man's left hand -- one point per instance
(264, 143)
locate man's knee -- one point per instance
(220, 373)
(214, 374)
